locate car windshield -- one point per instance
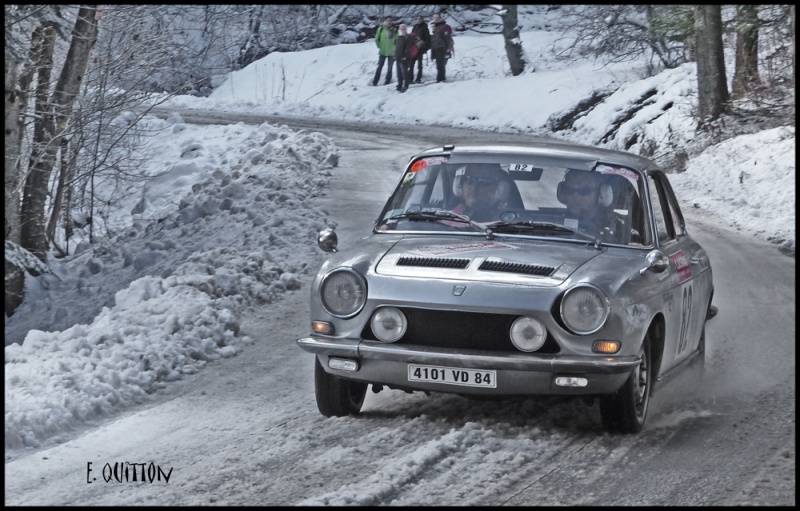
(586, 201)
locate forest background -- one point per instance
(74, 73)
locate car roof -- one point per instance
(551, 149)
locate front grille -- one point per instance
(530, 269)
(460, 330)
(433, 262)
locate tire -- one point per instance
(337, 397)
(699, 362)
(625, 411)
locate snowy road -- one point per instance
(246, 431)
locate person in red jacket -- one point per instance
(423, 35)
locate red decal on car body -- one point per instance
(682, 265)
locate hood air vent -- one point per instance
(530, 269)
(433, 262)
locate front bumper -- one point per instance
(517, 374)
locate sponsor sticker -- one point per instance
(418, 165)
(626, 173)
(436, 160)
(681, 263)
(466, 247)
(424, 162)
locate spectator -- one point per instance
(404, 56)
(441, 45)
(423, 36)
(385, 39)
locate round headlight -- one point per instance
(343, 292)
(584, 309)
(528, 334)
(388, 324)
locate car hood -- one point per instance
(538, 262)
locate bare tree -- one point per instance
(513, 44)
(38, 176)
(55, 116)
(626, 32)
(712, 85)
(508, 28)
(745, 75)
(792, 27)
(24, 29)
(14, 277)
(12, 150)
(99, 162)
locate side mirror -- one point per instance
(656, 261)
(327, 240)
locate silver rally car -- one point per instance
(544, 269)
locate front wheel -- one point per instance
(625, 410)
(337, 397)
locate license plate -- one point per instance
(453, 376)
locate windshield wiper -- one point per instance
(530, 225)
(434, 215)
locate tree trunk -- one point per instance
(12, 151)
(25, 79)
(745, 75)
(712, 86)
(516, 58)
(792, 28)
(49, 129)
(55, 212)
(35, 188)
(249, 51)
(14, 277)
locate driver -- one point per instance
(480, 186)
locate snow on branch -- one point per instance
(24, 260)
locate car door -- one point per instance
(689, 284)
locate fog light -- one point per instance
(343, 364)
(528, 334)
(388, 324)
(571, 381)
(606, 346)
(322, 327)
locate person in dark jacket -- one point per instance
(423, 35)
(480, 186)
(403, 53)
(385, 39)
(588, 202)
(441, 45)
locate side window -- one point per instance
(664, 228)
(674, 209)
(426, 188)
